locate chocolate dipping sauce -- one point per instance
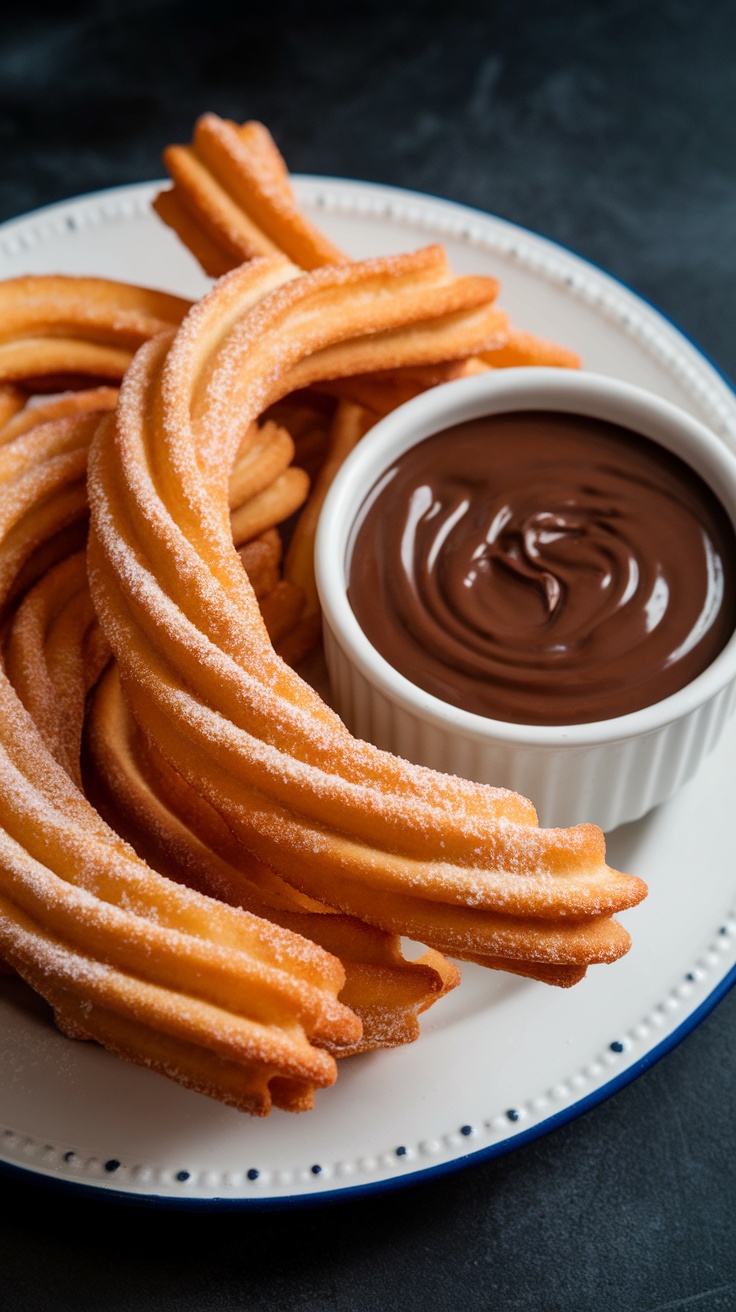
(544, 568)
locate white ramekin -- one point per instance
(607, 772)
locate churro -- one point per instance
(349, 424)
(57, 328)
(212, 996)
(232, 200)
(521, 348)
(178, 831)
(199, 866)
(27, 416)
(459, 866)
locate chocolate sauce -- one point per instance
(544, 568)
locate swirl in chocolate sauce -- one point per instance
(544, 568)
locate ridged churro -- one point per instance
(179, 832)
(56, 328)
(212, 996)
(232, 200)
(200, 868)
(458, 866)
(55, 653)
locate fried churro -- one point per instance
(199, 866)
(54, 655)
(459, 866)
(210, 995)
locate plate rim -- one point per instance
(57, 1181)
(389, 189)
(295, 1202)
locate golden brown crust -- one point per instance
(64, 326)
(349, 424)
(175, 830)
(459, 866)
(54, 654)
(12, 399)
(213, 996)
(275, 503)
(522, 348)
(97, 398)
(232, 200)
(191, 231)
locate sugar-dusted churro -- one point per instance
(459, 866)
(232, 200)
(177, 830)
(210, 995)
(30, 416)
(55, 653)
(63, 327)
(244, 845)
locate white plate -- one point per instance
(500, 1060)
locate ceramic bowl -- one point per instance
(608, 772)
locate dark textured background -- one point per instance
(609, 126)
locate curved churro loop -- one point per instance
(12, 399)
(218, 999)
(348, 426)
(56, 327)
(177, 831)
(55, 653)
(460, 866)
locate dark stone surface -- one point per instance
(611, 128)
(628, 1209)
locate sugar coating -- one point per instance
(197, 661)
(165, 975)
(73, 894)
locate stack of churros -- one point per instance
(200, 868)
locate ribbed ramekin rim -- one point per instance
(516, 388)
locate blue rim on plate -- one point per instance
(361, 1191)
